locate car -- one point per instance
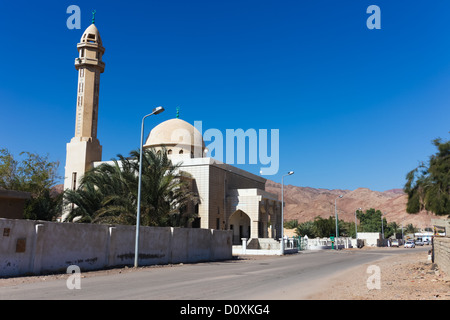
(410, 244)
(395, 243)
(426, 241)
(419, 242)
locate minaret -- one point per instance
(84, 148)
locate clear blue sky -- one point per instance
(355, 107)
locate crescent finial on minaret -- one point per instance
(93, 16)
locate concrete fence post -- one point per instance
(212, 252)
(38, 251)
(244, 245)
(110, 247)
(170, 245)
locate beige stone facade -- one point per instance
(230, 198)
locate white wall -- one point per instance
(35, 247)
(370, 238)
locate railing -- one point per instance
(290, 243)
(323, 243)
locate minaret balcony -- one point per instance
(80, 62)
(94, 46)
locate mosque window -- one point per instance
(181, 152)
(74, 180)
(170, 151)
(91, 38)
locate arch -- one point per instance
(239, 223)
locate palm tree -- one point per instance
(108, 193)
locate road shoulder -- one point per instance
(409, 276)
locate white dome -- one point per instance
(178, 137)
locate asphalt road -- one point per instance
(263, 278)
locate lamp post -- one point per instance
(336, 218)
(282, 209)
(356, 226)
(157, 110)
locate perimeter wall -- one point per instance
(38, 247)
(442, 253)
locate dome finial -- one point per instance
(178, 112)
(93, 16)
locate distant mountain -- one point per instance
(305, 203)
(396, 191)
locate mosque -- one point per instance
(230, 198)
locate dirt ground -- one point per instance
(411, 277)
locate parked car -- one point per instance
(419, 242)
(395, 243)
(426, 241)
(410, 244)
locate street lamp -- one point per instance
(356, 226)
(282, 209)
(336, 218)
(157, 110)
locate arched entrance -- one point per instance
(239, 223)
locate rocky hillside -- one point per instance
(304, 203)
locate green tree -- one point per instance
(8, 171)
(391, 229)
(321, 227)
(370, 221)
(305, 229)
(45, 207)
(410, 228)
(108, 193)
(428, 186)
(35, 174)
(324, 227)
(291, 224)
(346, 229)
